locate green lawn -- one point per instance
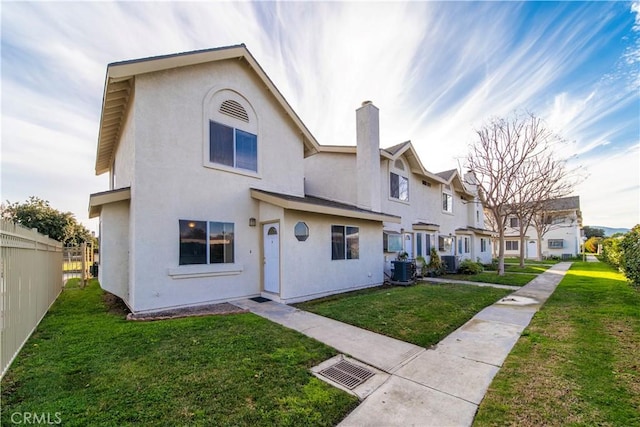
(578, 362)
(91, 366)
(421, 314)
(549, 262)
(514, 279)
(528, 268)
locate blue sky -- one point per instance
(436, 70)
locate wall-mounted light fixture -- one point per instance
(252, 222)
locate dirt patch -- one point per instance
(115, 305)
(202, 310)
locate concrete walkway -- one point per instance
(442, 386)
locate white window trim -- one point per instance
(193, 271)
(401, 173)
(450, 193)
(210, 107)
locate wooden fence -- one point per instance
(30, 281)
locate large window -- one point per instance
(511, 245)
(194, 236)
(232, 147)
(398, 187)
(345, 242)
(391, 242)
(556, 243)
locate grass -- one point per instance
(578, 362)
(421, 314)
(513, 279)
(91, 366)
(531, 268)
(516, 260)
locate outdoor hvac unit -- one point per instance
(451, 263)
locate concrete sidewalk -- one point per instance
(436, 387)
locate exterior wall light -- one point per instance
(252, 222)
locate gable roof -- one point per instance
(564, 204)
(120, 81)
(447, 175)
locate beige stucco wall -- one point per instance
(125, 153)
(113, 273)
(171, 183)
(331, 176)
(307, 267)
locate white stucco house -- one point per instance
(218, 191)
(562, 236)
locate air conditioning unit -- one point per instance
(451, 263)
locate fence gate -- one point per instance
(78, 262)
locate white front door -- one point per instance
(271, 237)
(532, 249)
(408, 244)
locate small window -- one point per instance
(398, 187)
(556, 243)
(445, 243)
(301, 231)
(345, 242)
(513, 222)
(193, 242)
(512, 245)
(483, 245)
(232, 147)
(392, 242)
(447, 202)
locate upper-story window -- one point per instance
(513, 222)
(232, 131)
(398, 182)
(447, 198)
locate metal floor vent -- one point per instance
(347, 374)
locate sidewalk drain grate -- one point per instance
(347, 374)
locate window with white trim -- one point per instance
(555, 243)
(345, 242)
(511, 245)
(447, 199)
(483, 245)
(206, 242)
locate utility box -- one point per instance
(401, 271)
(451, 263)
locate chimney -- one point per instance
(368, 157)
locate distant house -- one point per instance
(218, 191)
(562, 236)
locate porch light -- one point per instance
(252, 222)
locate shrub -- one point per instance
(591, 245)
(469, 267)
(435, 263)
(612, 251)
(630, 257)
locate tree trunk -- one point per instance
(522, 247)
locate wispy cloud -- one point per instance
(436, 70)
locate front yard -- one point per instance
(578, 362)
(422, 314)
(88, 366)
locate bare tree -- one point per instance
(541, 178)
(509, 157)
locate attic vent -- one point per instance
(447, 187)
(234, 109)
(399, 165)
(424, 182)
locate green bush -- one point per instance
(469, 267)
(612, 251)
(630, 257)
(435, 266)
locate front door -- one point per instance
(532, 249)
(408, 244)
(271, 271)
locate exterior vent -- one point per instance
(399, 165)
(234, 109)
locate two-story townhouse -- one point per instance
(437, 210)
(561, 229)
(206, 200)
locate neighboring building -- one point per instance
(436, 210)
(562, 231)
(208, 200)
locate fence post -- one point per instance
(84, 264)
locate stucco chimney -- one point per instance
(368, 156)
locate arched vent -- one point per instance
(399, 165)
(234, 109)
